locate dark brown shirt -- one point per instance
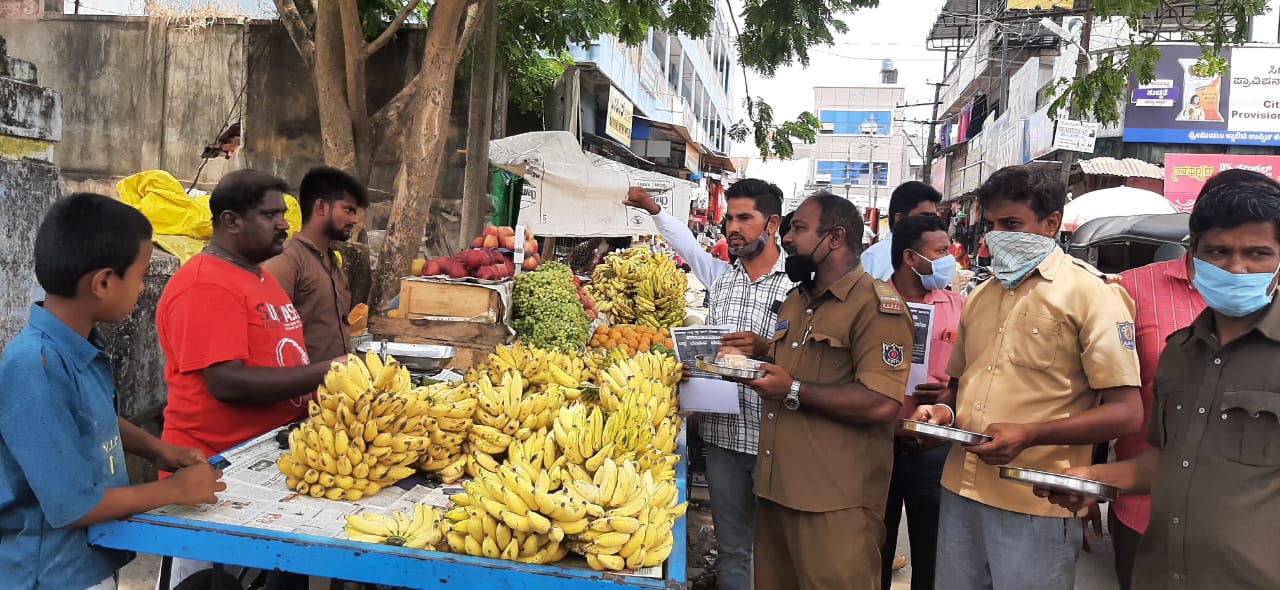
(857, 330)
(317, 284)
(1215, 512)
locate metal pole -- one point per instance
(927, 172)
(871, 168)
(848, 168)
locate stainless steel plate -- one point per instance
(946, 433)
(707, 362)
(415, 357)
(1061, 483)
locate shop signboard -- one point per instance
(1185, 105)
(619, 117)
(1185, 174)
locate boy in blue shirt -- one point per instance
(62, 444)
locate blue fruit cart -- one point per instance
(314, 555)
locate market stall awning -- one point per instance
(669, 131)
(1128, 167)
(716, 161)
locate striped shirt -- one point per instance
(1164, 303)
(745, 306)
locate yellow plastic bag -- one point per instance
(184, 247)
(292, 214)
(163, 201)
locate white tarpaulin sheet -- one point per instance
(571, 193)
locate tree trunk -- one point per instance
(480, 105)
(354, 53)
(422, 156)
(500, 100)
(337, 142)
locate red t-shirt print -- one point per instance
(214, 312)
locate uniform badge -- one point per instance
(782, 325)
(893, 354)
(1128, 339)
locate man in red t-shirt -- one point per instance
(235, 359)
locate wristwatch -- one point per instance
(792, 401)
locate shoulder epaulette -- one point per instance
(890, 301)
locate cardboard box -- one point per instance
(453, 301)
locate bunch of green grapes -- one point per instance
(546, 312)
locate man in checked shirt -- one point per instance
(746, 296)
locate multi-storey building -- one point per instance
(677, 93)
(862, 152)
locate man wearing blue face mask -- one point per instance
(911, 198)
(1214, 469)
(923, 267)
(1038, 348)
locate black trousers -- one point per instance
(1125, 541)
(916, 484)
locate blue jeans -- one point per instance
(916, 483)
(731, 480)
(985, 548)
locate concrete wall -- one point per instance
(27, 188)
(31, 124)
(139, 95)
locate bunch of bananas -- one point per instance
(450, 411)
(640, 286)
(507, 515)
(650, 377)
(508, 413)
(422, 530)
(541, 368)
(634, 529)
(366, 428)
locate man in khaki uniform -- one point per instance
(1214, 471)
(841, 350)
(1039, 346)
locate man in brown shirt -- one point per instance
(1039, 346)
(309, 271)
(842, 347)
(1214, 474)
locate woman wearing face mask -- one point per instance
(922, 269)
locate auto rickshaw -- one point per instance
(1117, 244)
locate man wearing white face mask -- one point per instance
(1038, 348)
(1214, 469)
(922, 269)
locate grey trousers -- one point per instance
(731, 482)
(986, 548)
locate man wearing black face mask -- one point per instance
(745, 295)
(841, 348)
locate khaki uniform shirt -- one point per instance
(317, 285)
(1215, 501)
(857, 330)
(1037, 353)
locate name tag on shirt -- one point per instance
(782, 325)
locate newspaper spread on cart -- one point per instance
(256, 497)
